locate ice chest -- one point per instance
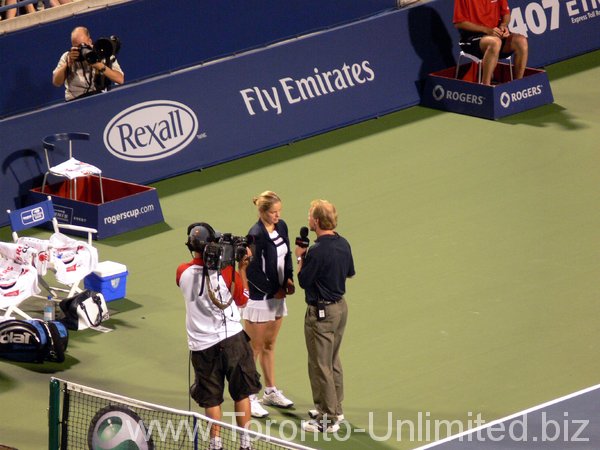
(109, 278)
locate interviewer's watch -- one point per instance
(102, 70)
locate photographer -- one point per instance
(79, 77)
(322, 272)
(218, 344)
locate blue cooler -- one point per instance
(109, 278)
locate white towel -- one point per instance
(71, 259)
(73, 168)
(18, 282)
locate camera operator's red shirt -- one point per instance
(488, 13)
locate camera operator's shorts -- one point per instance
(469, 43)
(230, 359)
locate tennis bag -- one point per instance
(84, 310)
(33, 340)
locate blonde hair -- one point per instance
(265, 201)
(325, 213)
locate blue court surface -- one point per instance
(569, 422)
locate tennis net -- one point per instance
(81, 417)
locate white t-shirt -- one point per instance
(207, 324)
(81, 80)
(281, 253)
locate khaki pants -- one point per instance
(323, 340)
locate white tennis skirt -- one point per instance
(264, 310)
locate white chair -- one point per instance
(72, 168)
(70, 259)
(477, 61)
(18, 280)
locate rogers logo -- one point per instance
(151, 130)
(438, 92)
(524, 94)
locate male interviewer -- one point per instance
(79, 77)
(322, 273)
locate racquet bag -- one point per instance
(33, 340)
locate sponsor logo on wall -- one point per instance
(290, 90)
(440, 94)
(540, 16)
(507, 98)
(151, 130)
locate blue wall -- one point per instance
(157, 39)
(154, 129)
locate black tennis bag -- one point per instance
(33, 340)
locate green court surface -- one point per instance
(477, 254)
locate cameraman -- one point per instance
(218, 344)
(79, 77)
(322, 273)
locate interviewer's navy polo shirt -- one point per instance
(327, 264)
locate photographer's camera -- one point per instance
(103, 50)
(87, 53)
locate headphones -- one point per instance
(199, 234)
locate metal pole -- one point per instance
(53, 415)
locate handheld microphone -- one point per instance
(302, 241)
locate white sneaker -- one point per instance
(313, 414)
(256, 409)
(317, 427)
(276, 398)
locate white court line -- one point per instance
(507, 418)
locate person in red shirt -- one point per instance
(483, 26)
(219, 348)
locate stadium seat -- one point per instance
(477, 61)
(72, 168)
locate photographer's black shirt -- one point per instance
(326, 266)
